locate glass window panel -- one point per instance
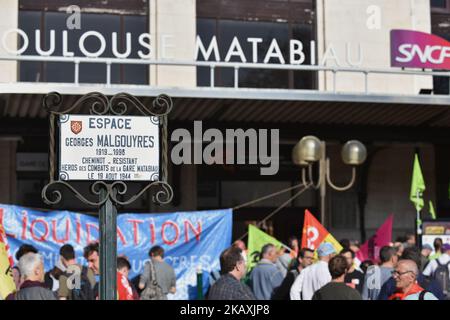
(135, 74)
(267, 31)
(57, 71)
(439, 3)
(28, 22)
(227, 29)
(304, 79)
(206, 29)
(441, 85)
(106, 25)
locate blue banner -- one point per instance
(191, 240)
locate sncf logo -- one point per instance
(414, 49)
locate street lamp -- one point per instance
(310, 150)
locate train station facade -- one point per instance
(302, 67)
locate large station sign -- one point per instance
(122, 148)
(415, 49)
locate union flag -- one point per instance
(314, 234)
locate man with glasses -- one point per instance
(405, 276)
(305, 258)
(229, 286)
(430, 285)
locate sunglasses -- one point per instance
(397, 274)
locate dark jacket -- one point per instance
(32, 290)
(429, 285)
(284, 290)
(55, 273)
(229, 288)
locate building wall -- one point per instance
(173, 29)
(9, 19)
(342, 24)
(389, 184)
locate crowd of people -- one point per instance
(68, 280)
(402, 271)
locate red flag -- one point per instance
(314, 233)
(371, 248)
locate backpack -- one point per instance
(442, 276)
(85, 291)
(153, 291)
(422, 295)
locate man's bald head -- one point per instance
(409, 265)
(405, 274)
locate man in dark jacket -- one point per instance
(33, 288)
(430, 285)
(229, 286)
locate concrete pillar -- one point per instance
(173, 31)
(9, 19)
(343, 24)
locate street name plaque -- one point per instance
(110, 148)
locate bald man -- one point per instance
(405, 276)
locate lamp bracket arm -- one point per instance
(332, 185)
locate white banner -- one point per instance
(109, 148)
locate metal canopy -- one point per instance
(250, 105)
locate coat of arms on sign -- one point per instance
(76, 126)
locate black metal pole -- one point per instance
(108, 248)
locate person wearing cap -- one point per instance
(424, 255)
(315, 276)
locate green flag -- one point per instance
(432, 212)
(256, 240)
(417, 185)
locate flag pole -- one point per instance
(418, 222)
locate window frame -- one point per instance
(441, 10)
(43, 77)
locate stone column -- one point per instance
(173, 33)
(9, 19)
